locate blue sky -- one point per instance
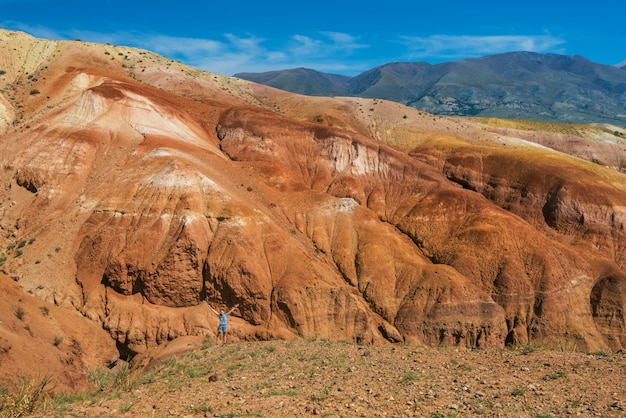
(341, 37)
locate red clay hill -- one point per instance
(134, 187)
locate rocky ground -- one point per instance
(303, 378)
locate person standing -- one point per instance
(222, 328)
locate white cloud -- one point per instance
(178, 46)
(249, 53)
(463, 46)
(249, 44)
(328, 45)
(306, 46)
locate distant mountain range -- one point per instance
(521, 85)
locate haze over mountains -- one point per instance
(134, 187)
(521, 85)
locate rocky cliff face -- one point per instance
(135, 187)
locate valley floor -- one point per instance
(308, 378)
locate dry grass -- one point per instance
(536, 125)
(22, 396)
